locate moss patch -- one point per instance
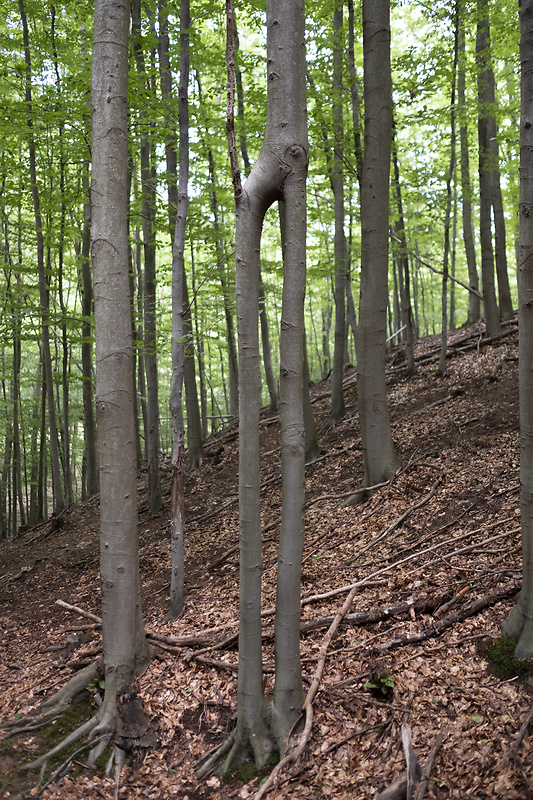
(22, 748)
(500, 655)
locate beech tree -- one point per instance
(177, 511)
(519, 623)
(380, 461)
(279, 174)
(125, 649)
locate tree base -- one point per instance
(520, 627)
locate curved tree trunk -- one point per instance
(279, 174)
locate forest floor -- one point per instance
(437, 557)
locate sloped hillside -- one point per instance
(435, 557)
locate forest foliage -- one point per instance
(56, 122)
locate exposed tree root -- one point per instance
(211, 760)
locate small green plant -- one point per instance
(381, 684)
(500, 655)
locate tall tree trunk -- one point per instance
(403, 268)
(279, 174)
(124, 644)
(177, 513)
(380, 461)
(148, 209)
(194, 421)
(448, 212)
(519, 623)
(354, 92)
(267, 352)
(89, 422)
(474, 309)
(338, 409)
(57, 483)
(492, 315)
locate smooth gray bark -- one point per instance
(474, 303)
(490, 305)
(338, 409)
(491, 156)
(89, 422)
(148, 209)
(194, 423)
(124, 644)
(380, 461)
(177, 511)
(403, 269)
(448, 212)
(279, 174)
(520, 622)
(44, 300)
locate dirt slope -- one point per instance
(443, 535)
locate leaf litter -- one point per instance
(433, 561)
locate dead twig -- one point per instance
(293, 755)
(428, 765)
(401, 518)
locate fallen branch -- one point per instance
(438, 271)
(428, 765)
(317, 598)
(401, 518)
(438, 627)
(293, 755)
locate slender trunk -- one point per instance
(474, 303)
(89, 422)
(58, 495)
(380, 461)
(124, 644)
(312, 447)
(354, 92)
(148, 208)
(447, 219)
(267, 353)
(403, 268)
(486, 192)
(338, 409)
(519, 623)
(194, 421)
(177, 513)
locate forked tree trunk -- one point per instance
(124, 644)
(520, 622)
(279, 174)
(380, 461)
